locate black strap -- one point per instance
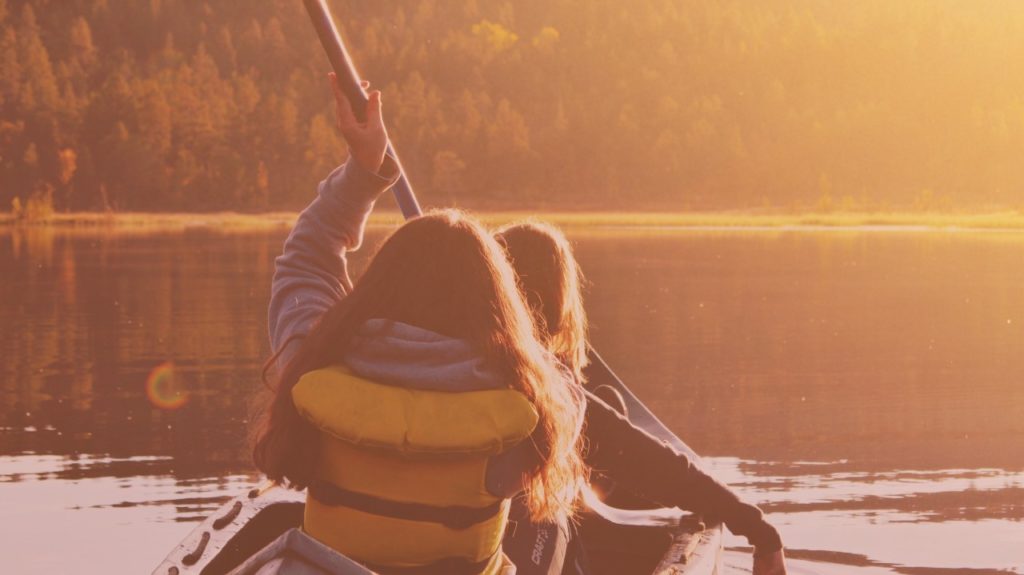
(453, 517)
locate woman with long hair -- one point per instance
(551, 281)
(415, 401)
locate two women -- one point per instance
(418, 401)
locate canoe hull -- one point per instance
(258, 533)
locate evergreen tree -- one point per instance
(178, 104)
(39, 89)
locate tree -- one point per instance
(68, 161)
(39, 93)
(325, 148)
(84, 51)
(154, 118)
(10, 68)
(447, 178)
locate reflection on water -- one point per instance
(95, 514)
(897, 519)
(863, 386)
(88, 318)
(889, 350)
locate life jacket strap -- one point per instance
(453, 516)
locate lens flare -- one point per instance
(163, 389)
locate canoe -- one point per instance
(259, 532)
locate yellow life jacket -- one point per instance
(400, 483)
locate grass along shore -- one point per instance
(232, 221)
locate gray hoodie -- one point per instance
(312, 273)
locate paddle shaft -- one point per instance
(348, 79)
(598, 373)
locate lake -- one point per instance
(865, 387)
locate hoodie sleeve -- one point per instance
(311, 275)
(641, 463)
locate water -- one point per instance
(864, 387)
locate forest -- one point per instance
(675, 105)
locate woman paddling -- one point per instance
(416, 401)
(621, 452)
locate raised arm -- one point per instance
(311, 275)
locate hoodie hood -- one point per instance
(399, 354)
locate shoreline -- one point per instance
(1007, 221)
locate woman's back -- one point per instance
(404, 464)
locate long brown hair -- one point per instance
(551, 281)
(444, 273)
